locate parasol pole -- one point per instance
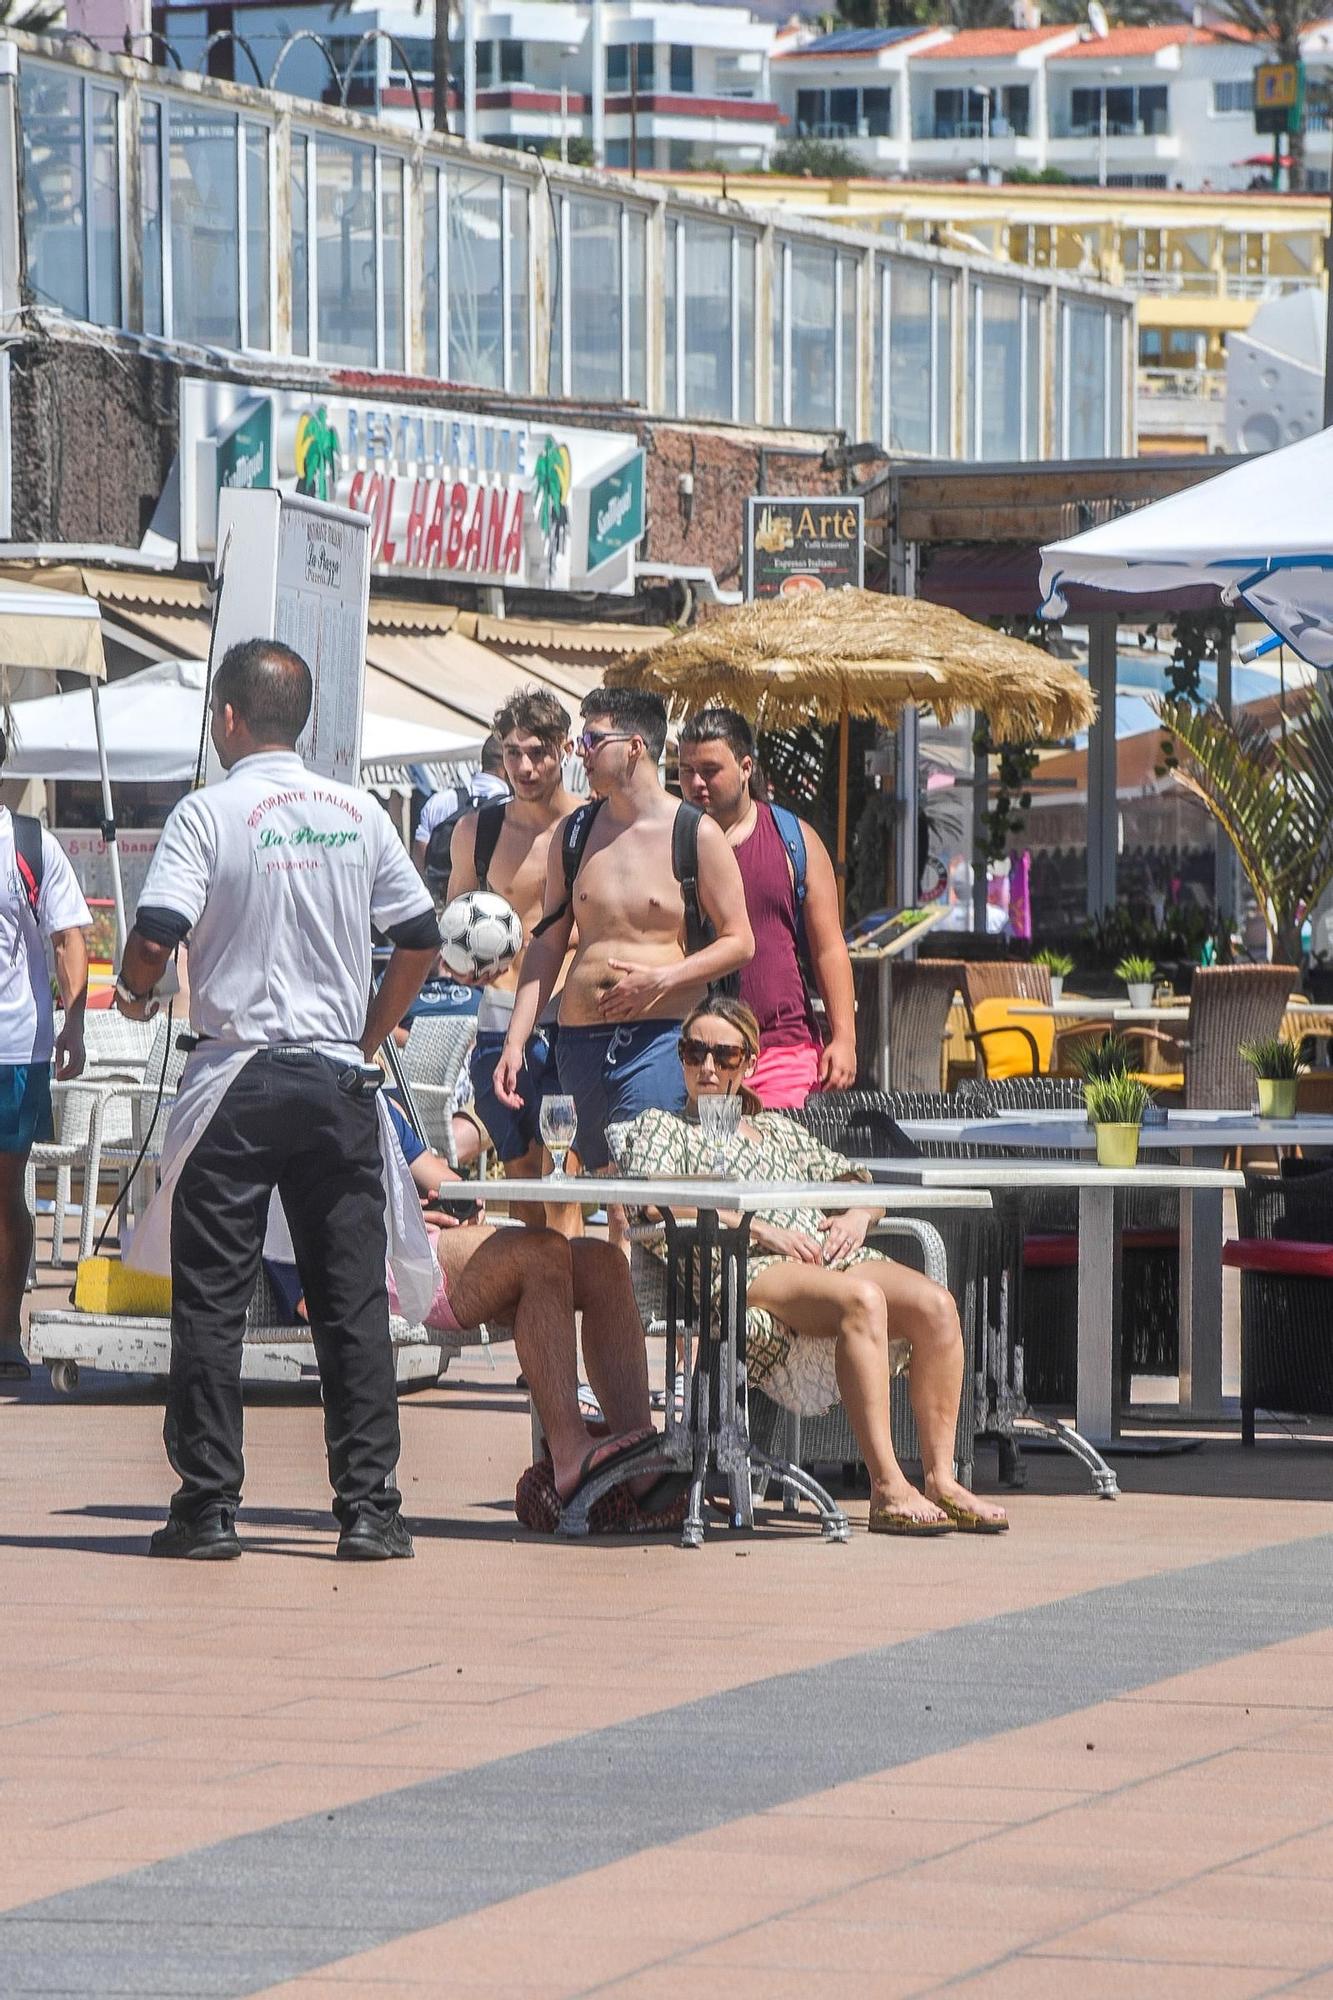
(843, 742)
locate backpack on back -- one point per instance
(29, 858)
(684, 866)
(439, 860)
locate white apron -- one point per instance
(207, 1077)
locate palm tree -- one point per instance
(1272, 797)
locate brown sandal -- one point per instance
(896, 1521)
(969, 1522)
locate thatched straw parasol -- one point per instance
(824, 656)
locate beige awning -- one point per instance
(465, 677)
(56, 629)
(554, 635)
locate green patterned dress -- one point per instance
(795, 1369)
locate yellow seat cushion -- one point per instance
(105, 1285)
(1162, 1079)
(1010, 1054)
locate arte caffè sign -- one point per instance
(484, 500)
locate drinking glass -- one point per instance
(559, 1128)
(719, 1121)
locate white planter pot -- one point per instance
(1140, 995)
(1057, 986)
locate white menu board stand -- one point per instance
(297, 570)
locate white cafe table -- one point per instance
(1098, 1253)
(715, 1432)
(1176, 1012)
(1203, 1139)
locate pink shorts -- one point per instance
(783, 1078)
(440, 1317)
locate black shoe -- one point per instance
(374, 1538)
(209, 1538)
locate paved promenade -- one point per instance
(1092, 1758)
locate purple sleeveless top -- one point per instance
(771, 983)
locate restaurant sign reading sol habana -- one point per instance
(475, 499)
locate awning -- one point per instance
(57, 630)
(539, 635)
(467, 678)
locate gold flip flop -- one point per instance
(969, 1522)
(894, 1521)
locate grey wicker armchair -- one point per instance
(1231, 1004)
(1285, 1257)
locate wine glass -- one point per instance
(719, 1121)
(559, 1128)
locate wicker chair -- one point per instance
(921, 996)
(1285, 1257)
(1010, 1045)
(433, 1060)
(1231, 1004)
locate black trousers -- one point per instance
(284, 1123)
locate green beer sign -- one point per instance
(615, 512)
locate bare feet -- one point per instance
(983, 1516)
(904, 1499)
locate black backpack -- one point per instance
(438, 858)
(29, 858)
(684, 866)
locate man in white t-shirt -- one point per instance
(39, 900)
(276, 876)
(490, 783)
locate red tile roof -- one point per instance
(975, 43)
(1147, 41)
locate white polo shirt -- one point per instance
(280, 875)
(27, 1015)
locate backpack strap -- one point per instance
(573, 845)
(29, 858)
(486, 838)
(685, 868)
(793, 839)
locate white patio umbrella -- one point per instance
(152, 723)
(1261, 533)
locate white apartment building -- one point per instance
(676, 84)
(1142, 107)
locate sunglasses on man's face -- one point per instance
(593, 739)
(725, 1055)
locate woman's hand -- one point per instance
(844, 1233)
(787, 1243)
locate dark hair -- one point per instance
(721, 725)
(268, 686)
(492, 754)
(537, 711)
(633, 710)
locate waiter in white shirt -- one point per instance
(40, 899)
(276, 876)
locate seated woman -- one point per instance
(811, 1275)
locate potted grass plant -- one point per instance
(1277, 1064)
(1138, 975)
(1116, 1105)
(1059, 964)
(1096, 1062)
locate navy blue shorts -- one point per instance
(613, 1074)
(514, 1132)
(25, 1105)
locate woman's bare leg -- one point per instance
(923, 1312)
(843, 1307)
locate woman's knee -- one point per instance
(864, 1310)
(936, 1315)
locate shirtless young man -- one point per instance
(631, 983)
(533, 730)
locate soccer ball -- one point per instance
(479, 933)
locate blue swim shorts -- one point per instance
(25, 1105)
(613, 1074)
(513, 1132)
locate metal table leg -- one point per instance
(1201, 1292)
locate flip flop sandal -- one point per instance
(969, 1522)
(626, 1448)
(893, 1521)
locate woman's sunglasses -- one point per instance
(726, 1057)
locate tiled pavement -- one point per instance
(1093, 1758)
